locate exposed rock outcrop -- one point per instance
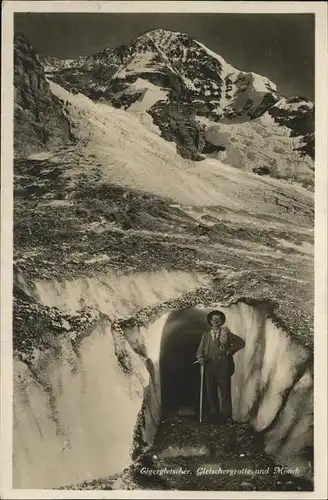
(40, 120)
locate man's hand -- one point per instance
(236, 344)
(201, 361)
(223, 337)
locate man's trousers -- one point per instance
(218, 390)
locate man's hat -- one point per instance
(215, 313)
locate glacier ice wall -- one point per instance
(74, 413)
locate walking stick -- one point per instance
(201, 393)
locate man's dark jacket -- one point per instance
(209, 350)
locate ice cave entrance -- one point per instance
(271, 389)
(180, 377)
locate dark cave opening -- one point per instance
(180, 376)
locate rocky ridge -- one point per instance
(40, 121)
(188, 89)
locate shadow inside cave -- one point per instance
(180, 376)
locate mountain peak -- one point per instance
(163, 39)
(162, 34)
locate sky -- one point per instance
(278, 46)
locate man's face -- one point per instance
(217, 321)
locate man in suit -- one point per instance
(215, 352)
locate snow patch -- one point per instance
(98, 258)
(44, 155)
(151, 95)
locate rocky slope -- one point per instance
(40, 122)
(179, 82)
